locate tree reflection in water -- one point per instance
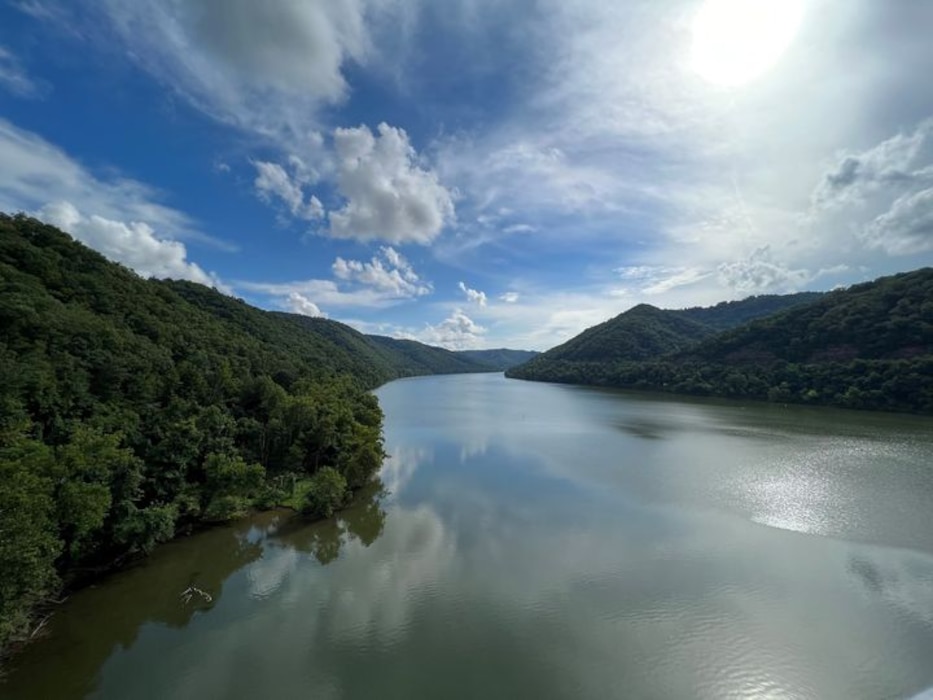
(364, 520)
(96, 621)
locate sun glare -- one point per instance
(735, 41)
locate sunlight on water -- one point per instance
(547, 542)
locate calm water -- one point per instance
(539, 541)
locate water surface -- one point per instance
(546, 541)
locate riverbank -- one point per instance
(544, 539)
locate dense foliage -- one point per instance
(499, 359)
(412, 358)
(642, 332)
(132, 408)
(869, 346)
(730, 314)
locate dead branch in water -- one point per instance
(191, 591)
(41, 624)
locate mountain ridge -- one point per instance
(868, 346)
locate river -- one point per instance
(545, 541)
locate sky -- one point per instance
(477, 173)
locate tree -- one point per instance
(327, 493)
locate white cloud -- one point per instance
(120, 218)
(134, 244)
(300, 304)
(265, 67)
(509, 297)
(386, 280)
(389, 195)
(391, 274)
(14, 79)
(473, 295)
(662, 166)
(654, 280)
(537, 173)
(760, 273)
(33, 173)
(653, 164)
(636, 272)
(519, 228)
(274, 182)
(456, 332)
(903, 161)
(323, 293)
(906, 228)
(884, 194)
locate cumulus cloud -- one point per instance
(14, 79)
(34, 172)
(473, 295)
(120, 218)
(273, 183)
(906, 228)
(509, 297)
(266, 67)
(883, 193)
(322, 292)
(135, 244)
(300, 304)
(456, 332)
(385, 280)
(389, 195)
(903, 161)
(388, 273)
(760, 273)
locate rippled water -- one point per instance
(547, 542)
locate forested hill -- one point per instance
(644, 332)
(131, 408)
(499, 359)
(729, 314)
(869, 346)
(888, 319)
(410, 357)
(640, 333)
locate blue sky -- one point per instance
(477, 173)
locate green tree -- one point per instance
(327, 493)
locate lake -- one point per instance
(545, 541)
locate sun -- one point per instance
(735, 41)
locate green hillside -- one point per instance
(131, 409)
(499, 359)
(887, 319)
(869, 346)
(644, 332)
(640, 333)
(729, 314)
(409, 357)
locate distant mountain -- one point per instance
(869, 346)
(640, 333)
(729, 314)
(409, 357)
(499, 359)
(644, 332)
(888, 319)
